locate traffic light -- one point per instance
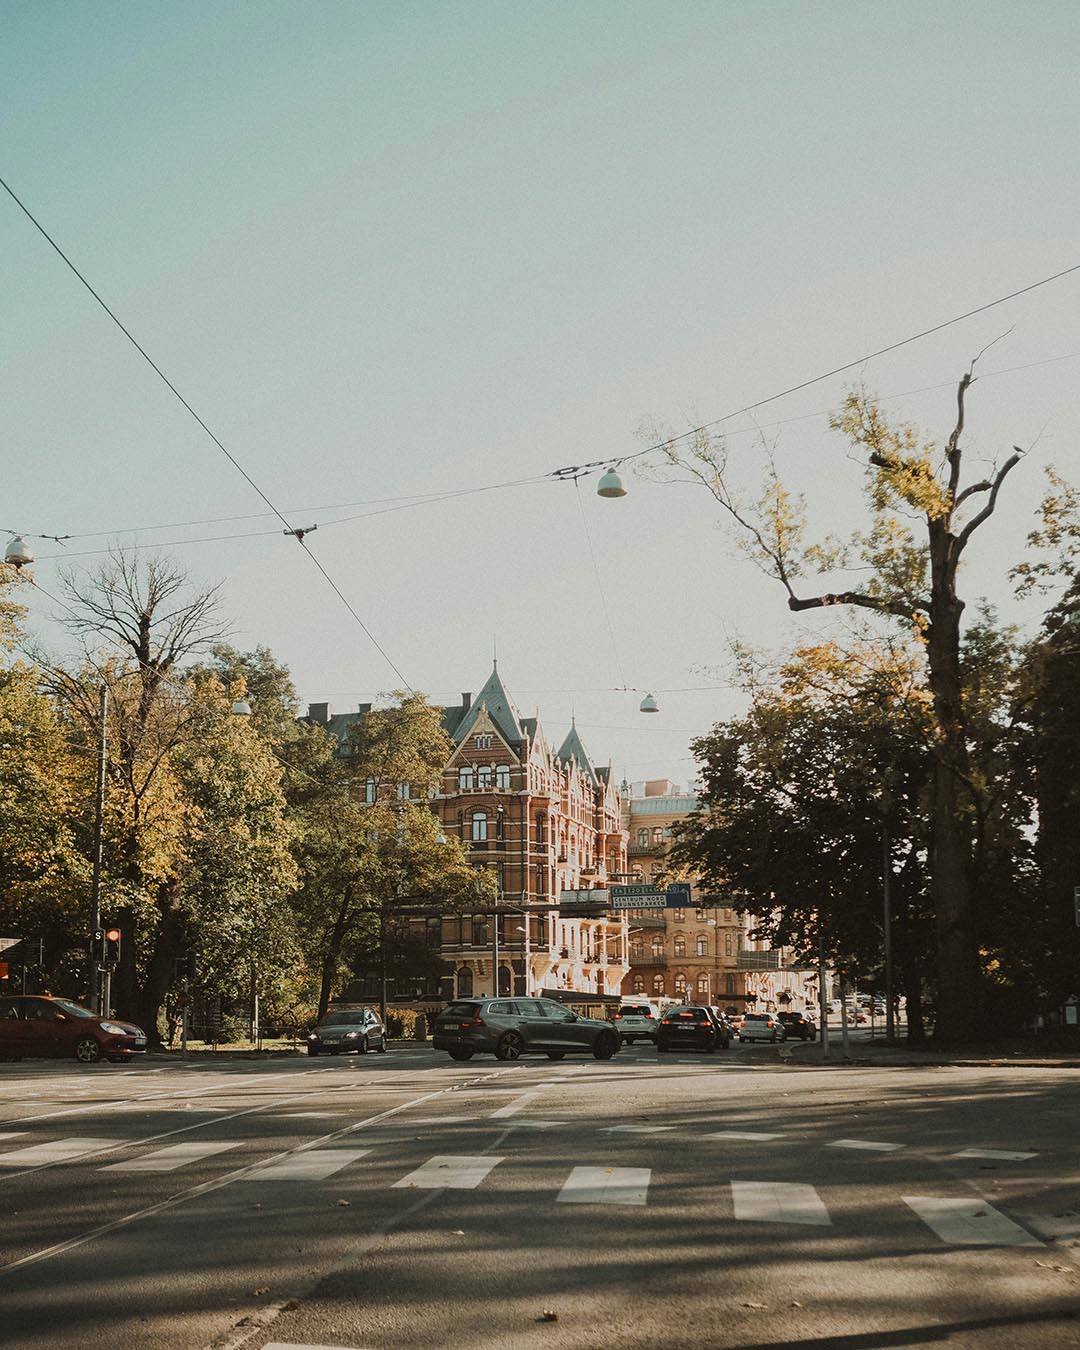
(111, 947)
(97, 945)
(186, 966)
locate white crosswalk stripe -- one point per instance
(637, 1129)
(456, 1172)
(867, 1145)
(778, 1202)
(606, 1186)
(964, 1221)
(60, 1150)
(171, 1158)
(314, 1164)
(753, 1135)
(994, 1154)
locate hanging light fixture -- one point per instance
(649, 704)
(610, 485)
(18, 553)
(241, 708)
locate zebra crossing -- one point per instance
(956, 1220)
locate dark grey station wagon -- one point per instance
(511, 1027)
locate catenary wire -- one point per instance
(289, 527)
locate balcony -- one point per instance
(759, 961)
(649, 960)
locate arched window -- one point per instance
(643, 838)
(680, 985)
(504, 981)
(639, 984)
(658, 945)
(658, 985)
(703, 946)
(465, 777)
(680, 944)
(464, 982)
(703, 988)
(729, 945)
(637, 949)
(479, 827)
(657, 835)
(502, 776)
(483, 776)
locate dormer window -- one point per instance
(483, 741)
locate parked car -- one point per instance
(38, 1024)
(797, 1024)
(637, 1021)
(692, 1028)
(761, 1027)
(511, 1027)
(344, 1031)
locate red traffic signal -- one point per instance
(111, 947)
(112, 935)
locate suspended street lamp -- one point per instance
(649, 704)
(610, 485)
(18, 553)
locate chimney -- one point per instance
(466, 702)
(319, 713)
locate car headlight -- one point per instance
(313, 1035)
(351, 1035)
(114, 1030)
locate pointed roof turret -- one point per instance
(573, 751)
(494, 699)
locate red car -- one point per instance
(40, 1025)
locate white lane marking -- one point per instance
(440, 1120)
(869, 1145)
(999, 1154)
(537, 1124)
(606, 1186)
(778, 1202)
(637, 1129)
(456, 1172)
(743, 1134)
(969, 1223)
(169, 1159)
(12, 1134)
(60, 1150)
(314, 1165)
(526, 1097)
(295, 1345)
(310, 1115)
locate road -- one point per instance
(404, 1201)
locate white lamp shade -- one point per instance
(610, 485)
(649, 704)
(18, 552)
(241, 708)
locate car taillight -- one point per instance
(618, 1017)
(475, 1022)
(648, 1016)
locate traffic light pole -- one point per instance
(94, 1000)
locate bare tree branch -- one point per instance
(988, 510)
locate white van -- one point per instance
(637, 1019)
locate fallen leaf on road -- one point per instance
(794, 1303)
(548, 1316)
(256, 1293)
(344, 1203)
(755, 1305)
(457, 1232)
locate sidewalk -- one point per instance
(1019, 1053)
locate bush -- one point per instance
(401, 1023)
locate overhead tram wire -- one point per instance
(572, 471)
(298, 534)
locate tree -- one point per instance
(915, 583)
(795, 811)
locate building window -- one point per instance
(658, 947)
(479, 930)
(404, 792)
(729, 984)
(637, 950)
(702, 914)
(639, 984)
(369, 791)
(702, 946)
(680, 986)
(679, 916)
(502, 776)
(729, 945)
(541, 879)
(464, 982)
(703, 987)
(657, 835)
(465, 778)
(540, 821)
(643, 838)
(658, 985)
(500, 876)
(500, 830)
(479, 827)
(680, 944)
(483, 741)
(483, 777)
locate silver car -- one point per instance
(637, 1022)
(761, 1027)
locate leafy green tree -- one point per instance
(912, 580)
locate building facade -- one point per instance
(704, 953)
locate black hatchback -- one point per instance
(344, 1031)
(511, 1027)
(692, 1028)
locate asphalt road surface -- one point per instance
(399, 1201)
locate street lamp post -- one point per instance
(886, 804)
(95, 884)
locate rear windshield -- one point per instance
(461, 1009)
(636, 1010)
(758, 1017)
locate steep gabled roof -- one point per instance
(496, 701)
(572, 750)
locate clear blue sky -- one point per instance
(388, 249)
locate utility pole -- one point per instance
(95, 884)
(823, 1002)
(886, 897)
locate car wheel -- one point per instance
(313, 1049)
(510, 1045)
(460, 1054)
(362, 1048)
(87, 1050)
(605, 1046)
(556, 1054)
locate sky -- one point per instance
(407, 259)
